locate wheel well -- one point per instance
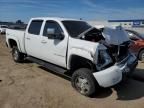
(140, 52)
(12, 43)
(77, 62)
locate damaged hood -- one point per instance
(115, 36)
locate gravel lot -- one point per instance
(28, 85)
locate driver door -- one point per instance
(54, 49)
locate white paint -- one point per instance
(109, 76)
(55, 51)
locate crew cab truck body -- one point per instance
(71, 46)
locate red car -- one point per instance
(138, 46)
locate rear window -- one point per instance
(35, 27)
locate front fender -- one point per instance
(79, 52)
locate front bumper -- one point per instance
(114, 74)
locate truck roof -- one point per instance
(55, 18)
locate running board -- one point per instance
(47, 65)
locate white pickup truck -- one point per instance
(74, 48)
(3, 29)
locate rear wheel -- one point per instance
(84, 82)
(141, 55)
(17, 55)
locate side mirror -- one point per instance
(51, 33)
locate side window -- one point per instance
(35, 27)
(54, 25)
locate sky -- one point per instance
(12, 10)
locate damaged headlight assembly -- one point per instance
(104, 59)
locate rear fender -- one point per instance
(16, 40)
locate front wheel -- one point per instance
(17, 56)
(84, 82)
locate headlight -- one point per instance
(104, 59)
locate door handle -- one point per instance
(44, 42)
(28, 38)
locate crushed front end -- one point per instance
(113, 64)
(112, 59)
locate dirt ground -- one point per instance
(28, 85)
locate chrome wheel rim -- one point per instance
(82, 85)
(15, 55)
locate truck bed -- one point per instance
(17, 35)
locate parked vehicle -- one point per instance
(3, 29)
(138, 46)
(74, 47)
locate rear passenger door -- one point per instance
(33, 39)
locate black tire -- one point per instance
(141, 55)
(18, 57)
(85, 75)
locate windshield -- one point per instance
(75, 28)
(142, 35)
(134, 34)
